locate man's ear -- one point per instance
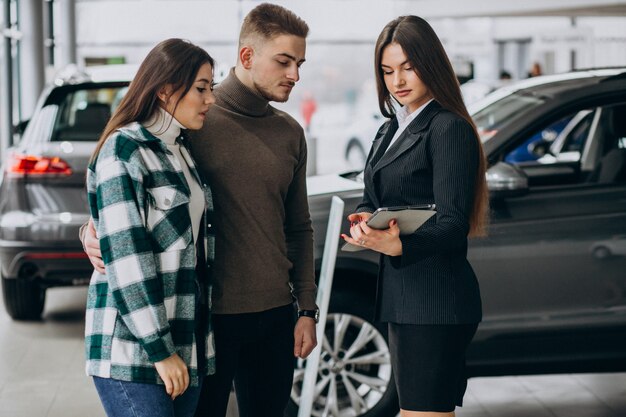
(164, 93)
(245, 56)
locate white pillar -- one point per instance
(67, 32)
(6, 81)
(31, 53)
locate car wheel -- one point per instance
(23, 299)
(355, 155)
(602, 252)
(355, 377)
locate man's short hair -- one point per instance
(270, 20)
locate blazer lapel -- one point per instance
(389, 129)
(411, 135)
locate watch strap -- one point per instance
(314, 314)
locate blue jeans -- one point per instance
(133, 399)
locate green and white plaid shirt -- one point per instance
(143, 309)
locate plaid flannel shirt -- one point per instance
(143, 309)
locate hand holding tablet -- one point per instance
(409, 219)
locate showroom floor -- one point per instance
(41, 374)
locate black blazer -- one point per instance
(435, 160)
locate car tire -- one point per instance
(602, 252)
(355, 155)
(23, 299)
(363, 389)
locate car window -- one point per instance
(610, 162)
(551, 155)
(495, 115)
(616, 129)
(574, 140)
(585, 147)
(84, 113)
(527, 152)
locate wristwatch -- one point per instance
(314, 314)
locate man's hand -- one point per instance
(174, 374)
(91, 245)
(305, 337)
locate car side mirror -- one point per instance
(506, 180)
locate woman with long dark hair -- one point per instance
(148, 337)
(427, 153)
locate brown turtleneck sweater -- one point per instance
(254, 157)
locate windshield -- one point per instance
(493, 116)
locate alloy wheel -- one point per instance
(354, 370)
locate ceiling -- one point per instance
(500, 8)
(603, 10)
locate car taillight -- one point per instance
(37, 165)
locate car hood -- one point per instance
(329, 184)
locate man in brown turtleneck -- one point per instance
(254, 157)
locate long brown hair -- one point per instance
(174, 62)
(426, 55)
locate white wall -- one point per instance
(343, 33)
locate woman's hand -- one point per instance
(174, 374)
(384, 241)
(359, 217)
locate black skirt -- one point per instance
(428, 362)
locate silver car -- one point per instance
(42, 189)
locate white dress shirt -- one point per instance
(404, 119)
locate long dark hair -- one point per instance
(426, 55)
(174, 62)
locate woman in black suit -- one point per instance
(427, 153)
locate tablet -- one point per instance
(409, 219)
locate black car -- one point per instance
(551, 303)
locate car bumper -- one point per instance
(52, 263)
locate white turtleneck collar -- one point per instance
(164, 126)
